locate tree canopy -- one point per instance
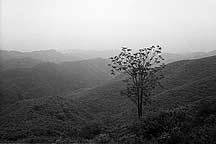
(143, 69)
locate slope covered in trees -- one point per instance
(18, 63)
(184, 110)
(182, 72)
(47, 79)
(187, 93)
(184, 82)
(42, 120)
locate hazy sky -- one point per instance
(176, 25)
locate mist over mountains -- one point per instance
(75, 55)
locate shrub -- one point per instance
(90, 130)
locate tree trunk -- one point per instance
(139, 106)
(141, 102)
(138, 103)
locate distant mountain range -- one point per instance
(42, 55)
(57, 57)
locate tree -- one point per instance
(143, 70)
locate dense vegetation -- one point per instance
(194, 124)
(183, 112)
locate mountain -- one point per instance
(42, 55)
(186, 93)
(47, 79)
(7, 55)
(32, 106)
(75, 55)
(89, 70)
(172, 57)
(182, 72)
(169, 57)
(212, 53)
(19, 63)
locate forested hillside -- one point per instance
(80, 102)
(49, 79)
(189, 77)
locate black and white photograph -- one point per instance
(108, 71)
